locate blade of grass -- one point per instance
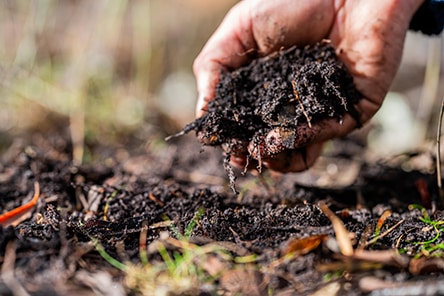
(117, 264)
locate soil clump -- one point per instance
(285, 90)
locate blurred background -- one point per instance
(114, 72)
(100, 70)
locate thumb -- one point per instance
(207, 77)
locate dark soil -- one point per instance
(290, 88)
(131, 197)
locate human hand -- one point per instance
(368, 37)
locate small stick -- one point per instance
(438, 155)
(342, 235)
(181, 133)
(142, 243)
(381, 222)
(375, 239)
(8, 217)
(296, 95)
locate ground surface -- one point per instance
(126, 196)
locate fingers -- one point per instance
(281, 139)
(294, 150)
(285, 23)
(245, 163)
(294, 160)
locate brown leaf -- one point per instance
(245, 281)
(426, 265)
(342, 235)
(301, 246)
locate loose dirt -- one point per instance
(153, 191)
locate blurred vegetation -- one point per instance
(99, 70)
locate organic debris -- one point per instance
(152, 230)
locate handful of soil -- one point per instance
(283, 90)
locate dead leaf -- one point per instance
(426, 265)
(301, 246)
(245, 281)
(342, 234)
